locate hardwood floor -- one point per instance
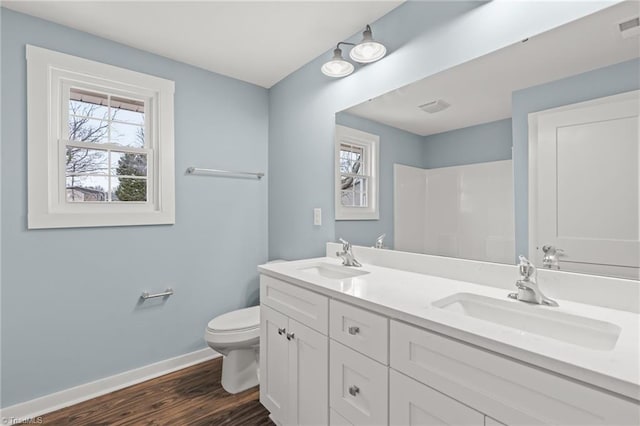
(192, 396)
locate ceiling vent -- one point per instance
(434, 106)
(630, 27)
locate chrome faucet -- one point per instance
(528, 290)
(380, 241)
(347, 254)
(550, 258)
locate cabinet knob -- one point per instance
(291, 336)
(281, 331)
(353, 330)
(354, 390)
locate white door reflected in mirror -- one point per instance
(584, 193)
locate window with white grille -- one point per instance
(100, 144)
(356, 174)
(106, 153)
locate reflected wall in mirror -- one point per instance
(456, 149)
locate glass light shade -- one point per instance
(368, 50)
(337, 66)
(365, 53)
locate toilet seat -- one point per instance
(242, 320)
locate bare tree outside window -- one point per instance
(81, 160)
(105, 174)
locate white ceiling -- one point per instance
(479, 91)
(260, 42)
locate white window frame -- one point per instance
(371, 145)
(50, 74)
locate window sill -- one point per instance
(86, 220)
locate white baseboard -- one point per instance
(74, 395)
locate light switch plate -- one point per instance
(317, 216)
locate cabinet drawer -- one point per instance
(336, 419)
(306, 307)
(358, 386)
(507, 390)
(412, 403)
(361, 330)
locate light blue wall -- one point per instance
(396, 146)
(70, 310)
(423, 39)
(469, 145)
(606, 81)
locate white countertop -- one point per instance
(408, 297)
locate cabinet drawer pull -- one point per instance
(291, 336)
(353, 330)
(354, 390)
(281, 331)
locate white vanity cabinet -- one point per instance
(345, 365)
(294, 357)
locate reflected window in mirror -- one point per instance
(356, 183)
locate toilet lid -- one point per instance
(242, 319)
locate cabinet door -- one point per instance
(412, 403)
(359, 387)
(274, 363)
(308, 376)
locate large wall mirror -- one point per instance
(531, 147)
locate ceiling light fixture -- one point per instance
(368, 50)
(337, 66)
(365, 52)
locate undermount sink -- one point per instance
(568, 328)
(332, 271)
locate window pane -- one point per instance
(87, 188)
(347, 198)
(88, 104)
(346, 182)
(88, 129)
(346, 166)
(128, 189)
(128, 164)
(127, 135)
(127, 110)
(86, 161)
(351, 159)
(360, 185)
(360, 199)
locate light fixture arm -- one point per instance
(344, 42)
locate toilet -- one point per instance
(236, 335)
